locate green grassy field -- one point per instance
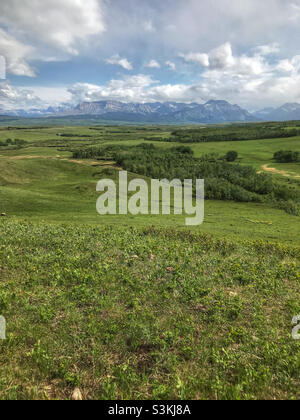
(37, 182)
(141, 313)
(142, 306)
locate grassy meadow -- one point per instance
(142, 307)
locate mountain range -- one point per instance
(289, 111)
(214, 111)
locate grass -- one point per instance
(60, 191)
(141, 307)
(128, 313)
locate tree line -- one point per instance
(202, 135)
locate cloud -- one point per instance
(153, 64)
(15, 98)
(51, 96)
(60, 24)
(249, 80)
(128, 89)
(148, 26)
(291, 66)
(43, 30)
(199, 58)
(295, 11)
(267, 49)
(2, 67)
(203, 25)
(171, 65)
(15, 54)
(139, 88)
(250, 67)
(116, 60)
(222, 59)
(218, 58)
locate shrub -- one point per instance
(286, 156)
(231, 156)
(183, 149)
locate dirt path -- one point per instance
(280, 172)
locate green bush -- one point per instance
(231, 156)
(286, 156)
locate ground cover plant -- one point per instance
(126, 313)
(143, 307)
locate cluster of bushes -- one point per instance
(101, 153)
(73, 135)
(286, 156)
(12, 142)
(223, 180)
(183, 149)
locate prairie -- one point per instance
(142, 307)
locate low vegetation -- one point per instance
(12, 142)
(223, 180)
(231, 156)
(144, 307)
(147, 313)
(230, 133)
(286, 156)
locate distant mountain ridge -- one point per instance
(288, 111)
(153, 112)
(213, 111)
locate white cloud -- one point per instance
(128, 89)
(51, 96)
(171, 65)
(116, 60)
(139, 88)
(201, 25)
(251, 89)
(198, 58)
(148, 26)
(35, 29)
(295, 11)
(250, 81)
(222, 59)
(289, 66)
(267, 49)
(153, 64)
(15, 54)
(249, 68)
(2, 67)
(61, 24)
(15, 98)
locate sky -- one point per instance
(56, 52)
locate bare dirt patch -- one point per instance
(280, 172)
